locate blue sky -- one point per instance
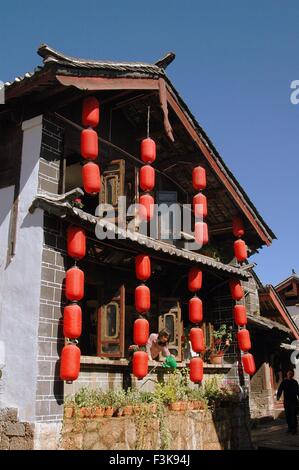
(235, 62)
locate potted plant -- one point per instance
(119, 400)
(77, 202)
(222, 341)
(69, 406)
(109, 403)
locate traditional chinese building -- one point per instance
(40, 184)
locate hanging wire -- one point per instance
(148, 120)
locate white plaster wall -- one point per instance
(20, 282)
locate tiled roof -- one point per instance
(65, 210)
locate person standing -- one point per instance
(290, 389)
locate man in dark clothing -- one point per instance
(290, 389)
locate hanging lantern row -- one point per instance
(200, 205)
(72, 313)
(142, 305)
(240, 319)
(237, 293)
(147, 178)
(90, 145)
(196, 335)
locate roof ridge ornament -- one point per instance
(166, 60)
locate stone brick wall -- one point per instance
(50, 157)
(14, 435)
(49, 394)
(192, 430)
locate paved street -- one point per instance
(273, 436)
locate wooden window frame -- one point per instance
(161, 324)
(115, 173)
(121, 339)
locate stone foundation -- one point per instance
(14, 435)
(225, 428)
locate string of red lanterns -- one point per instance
(237, 293)
(72, 313)
(147, 177)
(196, 335)
(141, 325)
(76, 244)
(90, 145)
(146, 201)
(200, 205)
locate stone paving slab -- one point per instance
(273, 436)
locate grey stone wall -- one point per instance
(14, 435)
(50, 156)
(49, 393)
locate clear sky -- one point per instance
(235, 62)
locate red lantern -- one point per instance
(248, 363)
(74, 284)
(140, 364)
(147, 178)
(143, 267)
(90, 112)
(196, 369)
(240, 250)
(194, 279)
(200, 206)
(197, 340)
(201, 233)
(146, 202)
(76, 242)
(142, 298)
(141, 331)
(244, 342)
(70, 363)
(238, 227)
(89, 144)
(236, 289)
(148, 150)
(72, 321)
(240, 316)
(195, 310)
(91, 178)
(199, 179)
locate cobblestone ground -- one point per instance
(273, 436)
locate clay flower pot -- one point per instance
(109, 410)
(184, 405)
(68, 411)
(84, 412)
(118, 412)
(190, 405)
(127, 410)
(99, 411)
(216, 358)
(175, 406)
(136, 409)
